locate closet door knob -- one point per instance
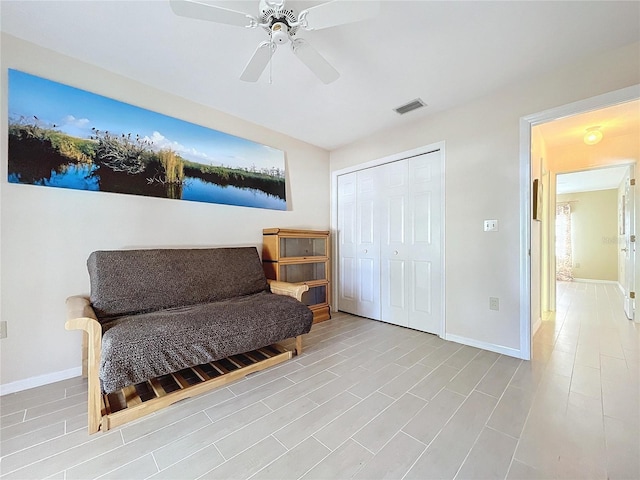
(395, 252)
(366, 251)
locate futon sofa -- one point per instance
(155, 312)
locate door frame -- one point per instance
(631, 251)
(433, 147)
(526, 123)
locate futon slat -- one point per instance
(157, 388)
(143, 398)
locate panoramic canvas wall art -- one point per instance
(61, 136)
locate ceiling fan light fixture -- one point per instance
(279, 33)
(593, 135)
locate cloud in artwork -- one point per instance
(159, 142)
(76, 122)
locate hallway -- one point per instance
(584, 418)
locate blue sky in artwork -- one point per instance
(76, 111)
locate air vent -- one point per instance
(412, 105)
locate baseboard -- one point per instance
(590, 280)
(621, 288)
(511, 352)
(534, 328)
(38, 381)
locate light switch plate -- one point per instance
(491, 225)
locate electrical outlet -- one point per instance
(494, 303)
(3, 329)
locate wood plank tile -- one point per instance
(58, 455)
(445, 454)
(385, 426)
(430, 420)
(296, 462)
(394, 460)
(344, 462)
(250, 461)
(106, 462)
(249, 433)
(315, 419)
(195, 465)
(173, 450)
(336, 432)
(490, 457)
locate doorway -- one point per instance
(594, 211)
(536, 164)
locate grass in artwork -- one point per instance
(48, 140)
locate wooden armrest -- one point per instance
(294, 290)
(80, 316)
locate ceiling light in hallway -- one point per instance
(593, 135)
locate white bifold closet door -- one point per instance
(358, 244)
(390, 242)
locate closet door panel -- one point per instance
(368, 244)
(423, 284)
(348, 283)
(397, 281)
(394, 195)
(367, 286)
(394, 222)
(347, 244)
(422, 220)
(425, 307)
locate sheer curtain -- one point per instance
(564, 269)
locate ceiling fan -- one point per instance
(282, 24)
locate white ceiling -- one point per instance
(446, 53)
(590, 180)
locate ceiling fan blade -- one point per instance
(338, 12)
(258, 62)
(316, 62)
(211, 13)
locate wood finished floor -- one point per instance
(369, 400)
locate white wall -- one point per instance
(482, 182)
(48, 233)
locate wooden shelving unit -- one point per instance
(300, 256)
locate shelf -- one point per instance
(300, 256)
